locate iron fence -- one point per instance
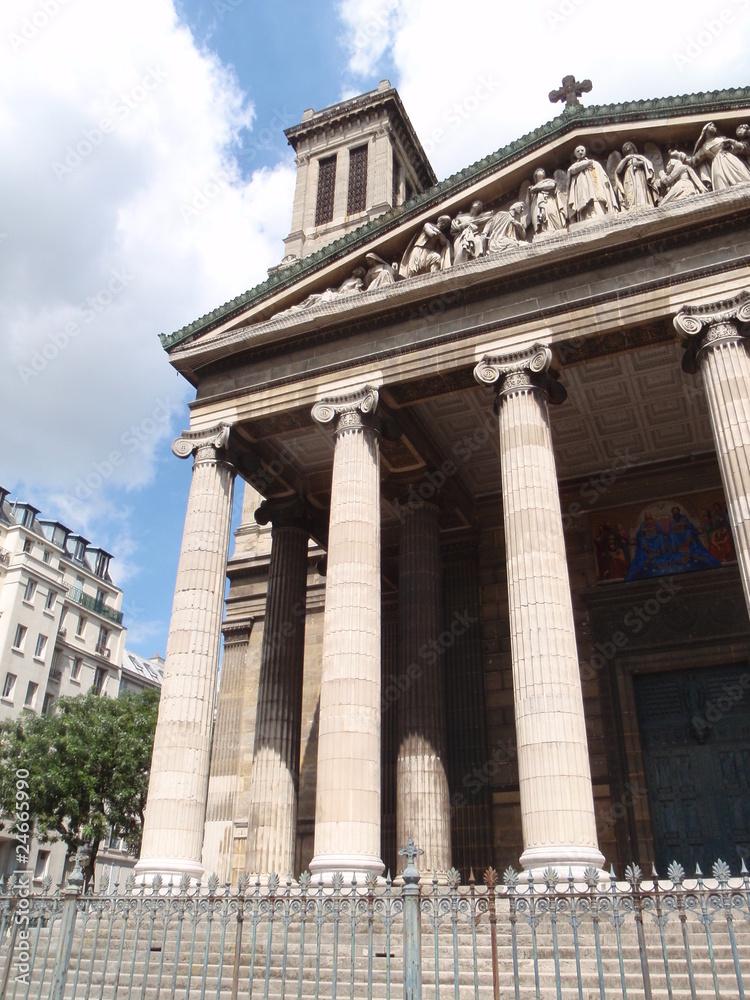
(506, 938)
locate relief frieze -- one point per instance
(629, 181)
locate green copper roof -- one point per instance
(572, 116)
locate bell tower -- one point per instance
(355, 161)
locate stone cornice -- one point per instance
(456, 343)
(391, 103)
(566, 252)
(572, 119)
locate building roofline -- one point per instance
(384, 96)
(573, 116)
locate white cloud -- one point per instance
(125, 214)
(369, 27)
(475, 76)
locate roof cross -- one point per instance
(570, 91)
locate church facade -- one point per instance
(492, 583)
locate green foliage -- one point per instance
(88, 765)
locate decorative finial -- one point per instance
(570, 91)
(410, 852)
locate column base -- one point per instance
(168, 868)
(324, 866)
(564, 860)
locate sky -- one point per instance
(145, 179)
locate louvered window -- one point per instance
(326, 188)
(357, 200)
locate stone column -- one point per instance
(557, 805)
(422, 793)
(223, 782)
(176, 807)
(272, 822)
(717, 344)
(347, 805)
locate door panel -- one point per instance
(695, 735)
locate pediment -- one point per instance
(329, 288)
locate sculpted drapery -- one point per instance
(589, 191)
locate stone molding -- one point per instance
(710, 324)
(237, 635)
(521, 371)
(351, 411)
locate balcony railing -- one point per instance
(4, 557)
(55, 674)
(98, 607)
(102, 650)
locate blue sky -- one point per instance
(116, 119)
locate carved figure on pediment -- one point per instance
(430, 250)
(590, 192)
(506, 229)
(717, 159)
(351, 286)
(743, 137)
(545, 201)
(634, 178)
(379, 272)
(466, 230)
(679, 181)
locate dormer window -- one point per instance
(326, 190)
(102, 564)
(80, 550)
(28, 518)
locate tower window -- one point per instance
(357, 199)
(326, 188)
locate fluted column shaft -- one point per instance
(717, 345)
(176, 807)
(422, 793)
(223, 782)
(557, 806)
(347, 806)
(272, 823)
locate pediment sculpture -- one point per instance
(631, 181)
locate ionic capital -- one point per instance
(210, 445)
(705, 326)
(350, 411)
(289, 513)
(514, 372)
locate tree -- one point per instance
(88, 765)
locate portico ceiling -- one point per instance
(639, 403)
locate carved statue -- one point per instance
(545, 202)
(590, 193)
(506, 229)
(633, 178)
(679, 181)
(351, 286)
(743, 136)
(465, 230)
(430, 250)
(715, 157)
(379, 272)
